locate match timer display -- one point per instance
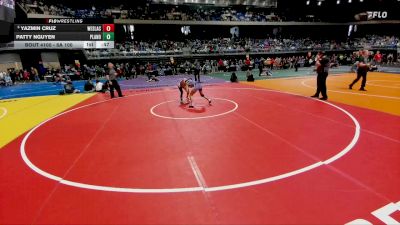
(60, 34)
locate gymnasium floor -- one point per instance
(262, 153)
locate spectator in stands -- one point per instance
(390, 59)
(34, 74)
(26, 76)
(2, 75)
(226, 45)
(378, 58)
(296, 63)
(20, 75)
(151, 12)
(221, 65)
(13, 75)
(334, 62)
(7, 80)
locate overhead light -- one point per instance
(361, 0)
(349, 1)
(337, 2)
(319, 3)
(308, 2)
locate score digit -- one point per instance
(108, 36)
(108, 27)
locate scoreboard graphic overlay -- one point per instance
(64, 34)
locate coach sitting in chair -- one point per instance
(249, 76)
(234, 78)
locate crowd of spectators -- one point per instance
(131, 70)
(12, 75)
(38, 74)
(206, 47)
(227, 45)
(150, 12)
(227, 64)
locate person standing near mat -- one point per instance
(197, 69)
(112, 80)
(322, 68)
(362, 70)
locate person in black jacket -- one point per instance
(250, 77)
(88, 86)
(362, 70)
(322, 68)
(234, 78)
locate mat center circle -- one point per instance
(175, 110)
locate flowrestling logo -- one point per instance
(377, 15)
(64, 21)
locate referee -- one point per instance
(322, 64)
(112, 80)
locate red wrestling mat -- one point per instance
(252, 157)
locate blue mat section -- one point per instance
(34, 89)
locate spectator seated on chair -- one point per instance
(2, 79)
(8, 81)
(266, 72)
(249, 76)
(153, 79)
(69, 88)
(234, 78)
(100, 87)
(88, 87)
(373, 68)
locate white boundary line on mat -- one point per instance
(61, 180)
(4, 112)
